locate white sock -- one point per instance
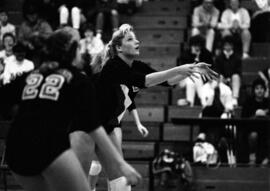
(76, 17)
(119, 184)
(63, 15)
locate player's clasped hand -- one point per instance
(204, 70)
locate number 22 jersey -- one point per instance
(50, 103)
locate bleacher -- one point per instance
(162, 26)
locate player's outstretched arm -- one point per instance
(178, 73)
(108, 150)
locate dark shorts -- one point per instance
(32, 147)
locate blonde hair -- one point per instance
(110, 51)
(99, 60)
(117, 38)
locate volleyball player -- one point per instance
(118, 83)
(51, 98)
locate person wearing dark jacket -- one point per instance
(257, 106)
(196, 53)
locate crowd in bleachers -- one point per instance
(219, 36)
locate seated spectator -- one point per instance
(32, 27)
(106, 7)
(8, 43)
(90, 44)
(236, 21)
(265, 76)
(229, 65)
(216, 99)
(196, 53)
(5, 26)
(204, 21)
(261, 19)
(16, 64)
(257, 106)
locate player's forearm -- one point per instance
(136, 117)
(175, 80)
(159, 77)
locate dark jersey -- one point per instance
(118, 85)
(49, 104)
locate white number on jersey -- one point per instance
(49, 89)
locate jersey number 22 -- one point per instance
(49, 88)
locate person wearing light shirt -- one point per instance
(90, 44)
(204, 21)
(236, 20)
(16, 65)
(208, 94)
(5, 26)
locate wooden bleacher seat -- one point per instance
(183, 112)
(260, 50)
(162, 50)
(159, 22)
(157, 96)
(131, 133)
(138, 150)
(160, 36)
(147, 114)
(233, 179)
(161, 63)
(165, 8)
(254, 64)
(173, 132)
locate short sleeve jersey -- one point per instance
(118, 85)
(62, 98)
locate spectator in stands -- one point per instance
(236, 21)
(5, 26)
(196, 53)
(265, 76)
(261, 19)
(216, 99)
(106, 7)
(8, 43)
(257, 106)
(32, 27)
(204, 21)
(16, 64)
(229, 65)
(90, 44)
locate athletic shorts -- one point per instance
(33, 146)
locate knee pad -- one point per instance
(95, 168)
(119, 184)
